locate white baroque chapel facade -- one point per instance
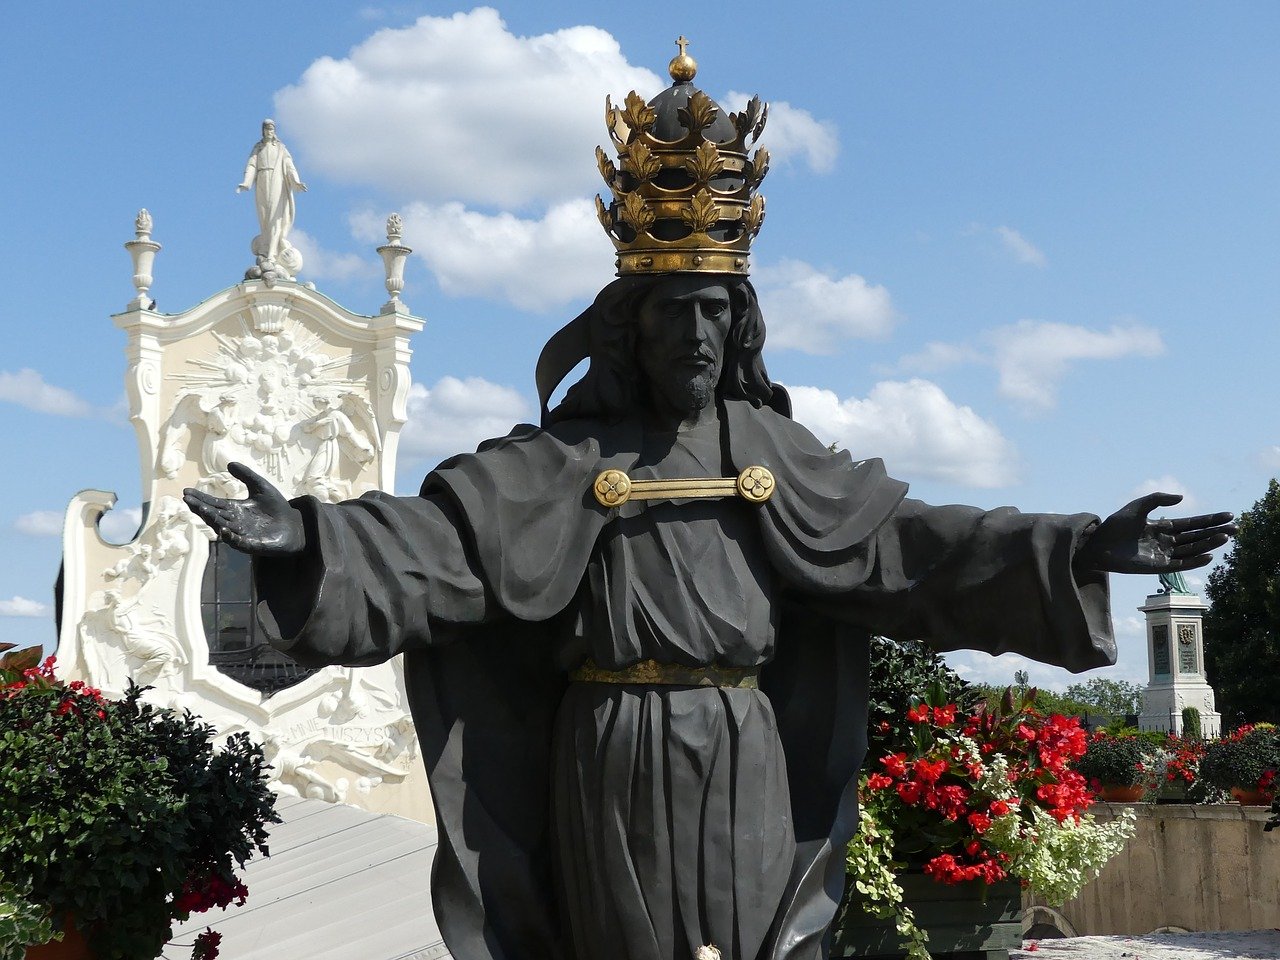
(271, 373)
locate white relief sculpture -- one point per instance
(274, 180)
(355, 698)
(336, 433)
(165, 541)
(276, 402)
(296, 774)
(144, 634)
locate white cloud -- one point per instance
(811, 311)
(1023, 250)
(40, 523)
(460, 108)
(28, 389)
(534, 264)
(792, 133)
(454, 415)
(936, 356)
(120, 524)
(1166, 484)
(321, 264)
(916, 428)
(22, 607)
(1032, 356)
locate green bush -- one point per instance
(901, 672)
(1249, 758)
(1191, 723)
(120, 814)
(1119, 761)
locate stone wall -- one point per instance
(1190, 867)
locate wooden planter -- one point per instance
(1248, 797)
(72, 946)
(969, 921)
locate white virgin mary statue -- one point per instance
(274, 179)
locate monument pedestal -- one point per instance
(1175, 662)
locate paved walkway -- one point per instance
(1236, 945)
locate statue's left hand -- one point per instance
(1129, 541)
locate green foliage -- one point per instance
(1248, 758)
(1046, 701)
(22, 923)
(1119, 761)
(1104, 695)
(1242, 626)
(901, 673)
(1191, 723)
(115, 809)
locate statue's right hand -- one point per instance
(263, 524)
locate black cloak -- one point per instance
(517, 518)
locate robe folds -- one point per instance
(580, 821)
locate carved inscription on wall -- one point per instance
(1187, 648)
(1160, 649)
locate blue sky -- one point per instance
(1026, 253)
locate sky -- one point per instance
(1026, 253)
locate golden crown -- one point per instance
(683, 189)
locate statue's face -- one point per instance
(683, 325)
(268, 131)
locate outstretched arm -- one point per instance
(1129, 541)
(263, 524)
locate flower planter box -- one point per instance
(962, 923)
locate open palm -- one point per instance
(1129, 541)
(264, 523)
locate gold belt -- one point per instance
(653, 673)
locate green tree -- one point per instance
(1116, 697)
(1242, 627)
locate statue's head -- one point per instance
(268, 129)
(675, 340)
(681, 324)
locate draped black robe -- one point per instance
(505, 572)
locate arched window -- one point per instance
(237, 646)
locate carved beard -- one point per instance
(689, 394)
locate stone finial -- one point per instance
(395, 228)
(143, 251)
(394, 253)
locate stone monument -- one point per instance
(1175, 660)
(272, 373)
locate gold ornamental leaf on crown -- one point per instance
(698, 114)
(636, 212)
(602, 214)
(750, 120)
(754, 217)
(640, 162)
(759, 166)
(638, 114)
(702, 213)
(705, 162)
(607, 169)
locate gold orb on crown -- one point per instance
(683, 190)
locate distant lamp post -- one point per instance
(143, 251)
(394, 253)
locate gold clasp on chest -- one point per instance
(612, 488)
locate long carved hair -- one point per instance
(613, 385)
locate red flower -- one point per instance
(919, 713)
(980, 822)
(927, 772)
(896, 764)
(944, 716)
(878, 781)
(206, 947)
(1025, 733)
(999, 808)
